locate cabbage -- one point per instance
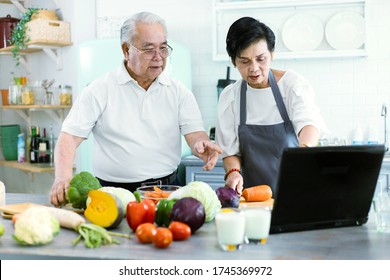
(123, 194)
(202, 192)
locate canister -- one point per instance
(7, 24)
(65, 95)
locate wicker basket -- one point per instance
(43, 30)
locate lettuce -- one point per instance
(202, 192)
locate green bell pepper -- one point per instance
(163, 210)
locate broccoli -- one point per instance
(80, 185)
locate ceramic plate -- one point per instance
(346, 31)
(302, 32)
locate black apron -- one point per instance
(261, 146)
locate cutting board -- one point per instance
(269, 203)
(11, 209)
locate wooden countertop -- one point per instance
(361, 242)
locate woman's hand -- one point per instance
(235, 181)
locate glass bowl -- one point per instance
(157, 192)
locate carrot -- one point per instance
(15, 217)
(257, 193)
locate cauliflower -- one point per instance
(36, 226)
(80, 185)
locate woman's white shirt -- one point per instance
(298, 97)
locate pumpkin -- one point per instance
(105, 209)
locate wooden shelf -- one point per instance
(32, 107)
(27, 167)
(55, 112)
(36, 46)
(51, 48)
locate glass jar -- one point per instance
(65, 95)
(39, 92)
(28, 97)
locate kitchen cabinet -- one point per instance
(275, 13)
(55, 112)
(194, 172)
(52, 49)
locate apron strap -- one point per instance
(277, 96)
(243, 103)
(279, 100)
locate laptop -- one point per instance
(325, 187)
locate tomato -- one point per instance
(145, 232)
(162, 238)
(180, 231)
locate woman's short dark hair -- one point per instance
(246, 31)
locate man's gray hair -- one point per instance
(128, 29)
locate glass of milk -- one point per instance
(230, 224)
(257, 223)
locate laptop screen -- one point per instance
(324, 187)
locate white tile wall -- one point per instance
(349, 91)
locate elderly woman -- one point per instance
(264, 112)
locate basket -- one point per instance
(9, 141)
(44, 30)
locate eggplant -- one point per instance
(190, 211)
(228, 197)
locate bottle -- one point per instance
(43, 147)
(51, 145)
(21, 148)
(357, 136)
(22, 86)
(34, 145)
(12, 91)
(372, 136)
(2, 194)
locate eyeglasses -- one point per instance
(164, 52)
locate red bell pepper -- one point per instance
(140, 211)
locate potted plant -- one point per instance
(18, 38)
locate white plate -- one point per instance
(302, 32)
(346, 31)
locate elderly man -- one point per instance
(137, 115)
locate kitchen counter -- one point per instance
(361, 242)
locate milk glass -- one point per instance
(230, 224)
(257, 223)
(382, 212)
